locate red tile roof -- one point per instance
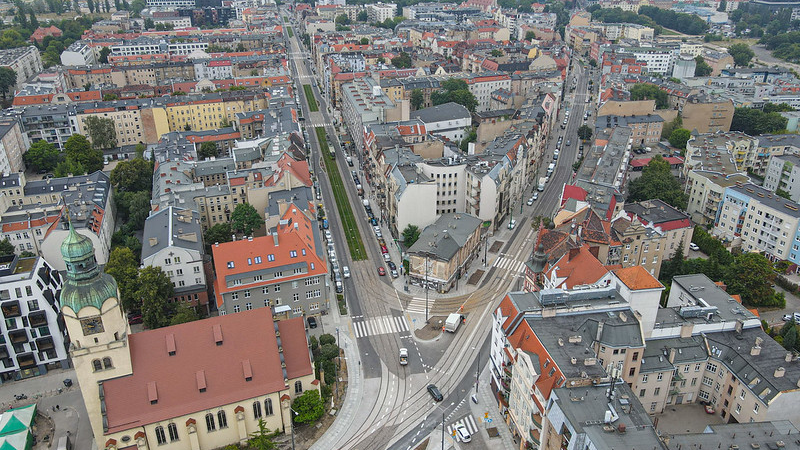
(637, 278)
(248, 339)
(579, 266)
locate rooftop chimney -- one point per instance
(779, 372)
(755, 350)
(573, 252)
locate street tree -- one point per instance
(756, 122)
(245, 219)
(68, 167)
(751, 276)
(417, 99)
(123, 266)
(208, 150)
(154, 289)
(679, 137)
(309, 407)
(102, 132)
(410, 235)
(644, 91)
(133, 175)
(584, 132)
(657, 182)
(41, 156)
(741, 53)
(104, 52)
(79, 150)
(8, 79)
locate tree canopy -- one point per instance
(751, 276)
(410, 235)
(741, 53)
(123, 266)
(756, 122)
(219, 233)
(208, 150)
(402, 61)
(8, 79)
(154, 289)
(457, 91)
(133, 175)
(417, 99)
(6, 247)
(645, 91)
(701, 69)
(584, 132)
(657, 182)
(41, 156)
(245, 219)
(679, 137)
(309, 407)
(80, 151)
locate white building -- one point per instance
(24, 61)
(450, 120)
(173, 241)
(659, 60)
(379, 12)
(33, 342)
(213, 70)
(705, 189)
(484, 84)
(78, 54)
(783, 172)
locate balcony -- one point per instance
(536, 418)
(535, 436)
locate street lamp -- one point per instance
(339, 361)
(291, 423)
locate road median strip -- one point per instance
(312, 102)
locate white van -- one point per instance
(64, 443)
(551, 168)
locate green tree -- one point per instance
(6, 247)
(90, 5)
(530, 35)
(593, 62)
(102, 132)
(402, 61)
(79, 150)
(790, 338)
(644, 91)
(657, 182)
(245, 219)
(674, 266)
(327, 339)
(154, 289)
(417, 98)
(722, 6)
(68, 167)
(183, 314)
(364, 41)
(756, 122)
(410, 235)
(133, 207)
(219, 233)
(679, 137)
(342, 19)
(133, 175)
(669, 127)
(776, 107)
(584, 132)
(362, 16)
(41, 156)
(149, 24)
(701, 69)
(123, 266)
(454, 90)
(471, 136)
(496, 53)
(741, 53)
(781, 193)
(309, 407)
(208, 150)
(104, 52)
(8, 79)
(261, 440)
(34, 21)
(140, 148)
(751, 276)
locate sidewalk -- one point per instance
(487, 403)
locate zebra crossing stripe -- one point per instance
(380, 325)
(468, 422)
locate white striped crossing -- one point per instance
(468, 422)
(320, 124)
(511, 264)
(379, 325)
(417, 305)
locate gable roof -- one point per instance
(637, 278)
(172, 227)
(164, 385)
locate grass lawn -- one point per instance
(668, 32)
(312, 102)
(349, 224)
(290, 32)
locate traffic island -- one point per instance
(432, 329)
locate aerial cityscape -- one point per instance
(346, 224)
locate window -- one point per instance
(659, 377)
(230, 264)
(210, 426)
(257, 409)
(298, 387)
(247, 293)
(258, 278)
(711, 368)
(97, 365)
(179, 271)
(686, 368)
(653, 406)
(248, 306)
(296, 297)
(167, 261)
(236, 308)
(632, 372)
(265, 290)
(173, 432)
(160, 436)
(277, 288)
(742, 394)
(643, 392)
(293, 253)
(107, 363)
(258, 259)
(694, 381)
(234, 296)
(270, 258)
(738, 408)
(755, 408)
(223, 419)
(697, 367)
(707, 381)
(635, 356)
(703, 395)
(644, 378)
(657, 391)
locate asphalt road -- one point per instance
(396, 410)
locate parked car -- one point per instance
(381, 271)
(373, 221)
(346, 272)
(435, 392)
(392, 266)
(694, 247)
(530, 201)
(512, 224)
(535, 196)
(792, 317)
(384, 249)
(463, 433)
(387, 257)
(709, 409)
(312, 322)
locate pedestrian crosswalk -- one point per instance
(511, 264)
(417, 305)
(468, 422)
(372, 326)
(320, 124)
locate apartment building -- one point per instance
(285, 270)
(79, 53)
(707, 114)
(24, 61)
(173, 241)
(12, 145)
(379, 12)
(444, 251)
(675, 225)
(725, 152)
(605, 165)
(34, 337)
(364, 103)
(411, 196)
(645, 129)
(759, 221)
(51, 123)
(483, 85)
(657, 60)
(705, 189)
(449, 120)
(783, 172)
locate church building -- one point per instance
(198, 385)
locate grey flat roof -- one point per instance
(655, 211)
(751, 435)
(440, 113)
(444, 245)
(768, 198)
(172, 227)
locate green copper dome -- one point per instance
(76, 246)
(84, 284)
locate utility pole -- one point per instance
(426, 288)
(442, 430)
(478, 372)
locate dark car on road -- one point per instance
(435, 393)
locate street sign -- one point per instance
(486, 415)
(489, 420)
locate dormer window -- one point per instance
(230, 265)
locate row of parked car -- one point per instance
(378, 235)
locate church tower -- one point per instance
(96, 323)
